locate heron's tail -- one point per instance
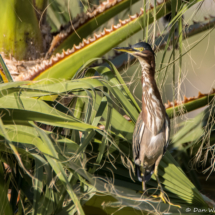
(138, 172)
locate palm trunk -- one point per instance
(20, 35)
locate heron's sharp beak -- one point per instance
(125, 49)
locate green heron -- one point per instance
(152, 129)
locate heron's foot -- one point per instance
(165, 199)
(144, 191)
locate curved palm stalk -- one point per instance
(121, 59)
(83, 25)
(20, 35)
(189, 104)
(71, 60)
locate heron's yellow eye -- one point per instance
(141, 49)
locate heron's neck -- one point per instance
(153, 111)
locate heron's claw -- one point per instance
(165, 199)
(145, 192)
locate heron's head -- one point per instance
(142, 51)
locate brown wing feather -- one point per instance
(167, 132)
(137, 137)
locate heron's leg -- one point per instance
(142, 169)
(162, 194)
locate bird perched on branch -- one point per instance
(152, 129)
